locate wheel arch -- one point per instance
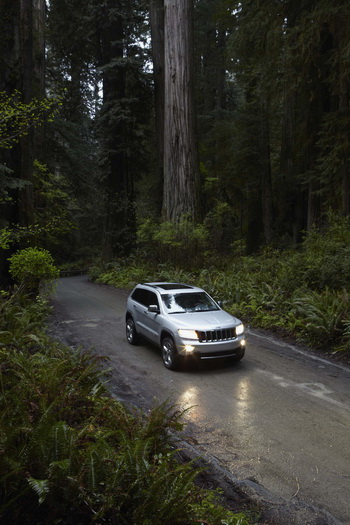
(166, 333)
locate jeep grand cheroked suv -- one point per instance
(182, 320)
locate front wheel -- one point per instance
(131, 332)
(169, 353)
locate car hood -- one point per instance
(204, 320)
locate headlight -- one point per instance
(188, 334)
(239, 329)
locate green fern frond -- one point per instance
(41, 487)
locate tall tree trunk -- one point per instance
(26, 210)
(181, 185)
(266, 182)
(313, 205)
(119, 211)
(344, 105)
(39, 16)
(287, 162)
(156, 8)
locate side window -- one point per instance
(140, 296)
(145, 297)
(152, 299)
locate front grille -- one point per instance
(211, 336)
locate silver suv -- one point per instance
(183, 321)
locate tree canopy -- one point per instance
(265, 96)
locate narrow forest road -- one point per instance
(280, 418)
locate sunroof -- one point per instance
(173, 286)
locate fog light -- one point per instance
(189, 349)
(243, 342)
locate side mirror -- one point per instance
(153, 308)
(220, 303)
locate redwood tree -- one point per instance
(181, 185)
(156, 10)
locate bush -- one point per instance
(178, 244)
(21, 322)
(323, 315)
(31, 266)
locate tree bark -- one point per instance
(156, 8)
(266, 181)
(26, 209)
(181, 186)
(344, 106)
(118, 188)
(39, 16)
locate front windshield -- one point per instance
(188, 302)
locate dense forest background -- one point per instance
(229, 120)
(201, 141)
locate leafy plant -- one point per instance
(323, 315)
(17, 118)
(30, 266)
(178, 244)
(21, 322)
(53, 206)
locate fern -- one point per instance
(323, 315)
(40, 486)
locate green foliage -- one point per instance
(17, 118)
(53, 213)
(325, 259)
(21, 321)
(214, 513)
(54, 207)
(5, 238)
(179, 243)
(121, 273)
(32, 265)
(219, 223)
(69, 452)
(9, 183)
(322, 314)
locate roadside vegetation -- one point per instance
(69, 452)
(300, 293)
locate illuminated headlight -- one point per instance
(188, 334)
(189, 349)
(239, 329)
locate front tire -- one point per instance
(169, 354)
(131, 333)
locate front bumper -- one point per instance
(213, 350)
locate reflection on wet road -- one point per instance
(289, 432)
